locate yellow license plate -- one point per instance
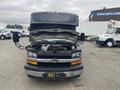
(51, 74)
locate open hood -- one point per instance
(38, 35)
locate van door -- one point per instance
(117, 36)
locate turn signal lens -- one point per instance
(76, 62)
(32, 62)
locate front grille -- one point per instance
(53, 65)
(55, 56)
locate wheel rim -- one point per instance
(2, 37)
(109, 44)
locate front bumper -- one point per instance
(71, 72)
(100, 42)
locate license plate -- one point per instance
(53, 75)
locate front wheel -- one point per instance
(109, 43)
(2, 37)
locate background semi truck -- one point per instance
(55, 50)
(111, 37)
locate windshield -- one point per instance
(110, 30)
(52, 34)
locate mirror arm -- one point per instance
(81, 42)
(20, 46)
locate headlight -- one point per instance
(31, 54)
(75, 55)
(102, 38)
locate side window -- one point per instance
(118, 30)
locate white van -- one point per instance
(4, 34)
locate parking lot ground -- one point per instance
(101, 70)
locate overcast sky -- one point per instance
(18, 11)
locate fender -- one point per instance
(110, 39)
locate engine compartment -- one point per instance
(53, 49)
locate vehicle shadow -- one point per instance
(52, 83)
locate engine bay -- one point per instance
(53, 49)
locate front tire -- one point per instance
(109, 43)
(2, 37)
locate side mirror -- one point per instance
(15, 37)
(82, 37)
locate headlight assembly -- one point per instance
(31, 54)
(76, 55)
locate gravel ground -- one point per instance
(101, 72)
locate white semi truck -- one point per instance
(111, 37)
